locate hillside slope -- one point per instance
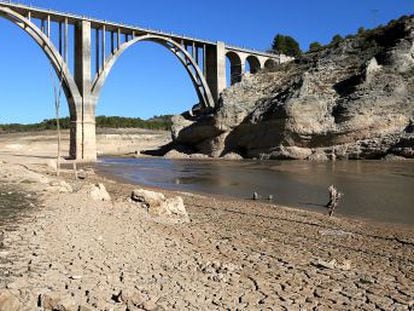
(350, 100)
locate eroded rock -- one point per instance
(358, 107)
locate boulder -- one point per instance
(96, 192)
(9, 302)
(151, 198)
(174, 206)
(158, 205)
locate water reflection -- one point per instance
(373, 189)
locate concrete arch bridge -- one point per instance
(59, 33)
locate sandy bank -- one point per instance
(42, 146)
(233, 254)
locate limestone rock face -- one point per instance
(350, 100)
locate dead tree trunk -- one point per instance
(334, 199)
(57, 92)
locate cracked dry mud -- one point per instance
(233, 255)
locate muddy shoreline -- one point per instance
(247, 192)
(233, 254)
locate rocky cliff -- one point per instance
(351, 100)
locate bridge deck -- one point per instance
(60, 17)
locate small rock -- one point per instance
(324, 264)
(345, 266)
(49, 301)
(82, 175)
(149, 305)
(8, 302)
(75, 277)
(132, 298)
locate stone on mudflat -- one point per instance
(55, 302)
(9, 302)
(132, 298)
(333, 264)
(325, 264)
(158, 205)
(97, 192)
(49, 301)
(174, 206)
(151, 198)
(149, 305)
(82, 175)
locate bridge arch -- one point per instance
(254, 64)
(270, 64)
(191, 66)
(68, 83)
(236, 68)
(69, 86)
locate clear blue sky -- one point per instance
(148, 80)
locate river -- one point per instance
(375, 190)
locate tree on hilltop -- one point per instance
(336, 39)
(315, 46)
(286, 45)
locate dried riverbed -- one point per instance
(234, 254)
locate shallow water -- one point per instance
(377, 190)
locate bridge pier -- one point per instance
(216, 69)
(83, 125)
